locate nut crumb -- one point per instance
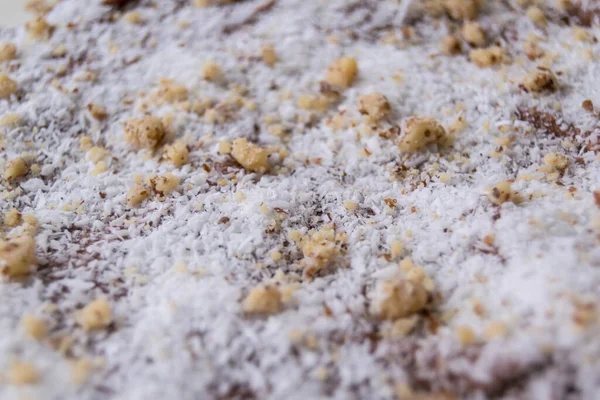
(133, 17)
(398, 299)
(263, 299)
(23, 374)
(463, 9)
(451, 45)
(39, 28)
(473, 33)
(172, 92)
(465, 334)
(164, 184)
(537, 16)
(540, 80)
(342, 72)
(350, 205)
(532, 50)
(7, 86)
(313, 102)
(8, 51)
(212, 72)
(178, 153)
(224, 147)
(34, 326)
(147, 132)
(15, 168)
(502, 193)
(252, 157)
(17, 256)
(268, 55)
(12, 218)
(95, 315)
(136, 195)
(488, 56)
(588, 105)
(419, 132)
(97, 111)
(556, 161)
(375, 105)
(319, 249)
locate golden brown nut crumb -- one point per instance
(540, 80)
(268, 55)
(211, 71)
(556, 161)
(178, 153)
(320, 249)
(7, 86)
(95, 315)
(451, 45)
(375, 105)
(164, 184)
(342, 72)
(537, 16)
(15, 168)
(580, 34)
(8, 51)
(133, 17)
(17, 256)
(465, 334)
(136, 195)
(39, 28)
(263, 300)
(487, 57)
(12, 218)
(172, 92)
(473, 33)
(463, 9)
(97, 111)
(501, 193)
(34, 326)
(532, 50)
(313, 103)
(252, 157)
(419, 132)
(588, 105)
(224, 147)
(85, 143)
(23, 374)
(147, 132)
(398, 299)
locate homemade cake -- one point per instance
(291, 199)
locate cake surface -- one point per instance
(291, 199)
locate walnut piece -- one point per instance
(342, 72)
(540, 80)
(147, 132)
(313, 102)
(172, 92)
(212, 72)
(463, 9)
(263, 299)
(502, 193)
(97, 111)
(473, 33)
(375, 105)
(136, 195)
(164, 184)
(35, 327)
(12, 218)
(319, 249)
(39, 28)
(532, 50)
(556, 161)
(537, 16)
(487, 57)
(268, 55)
(7, 86)
(252, 157)
(95, 315)
(15, 168)
(398, 299)
(8, 51)
(178, 153)
(23, 374)
(17, 256)
(451, 45)
(419, 132)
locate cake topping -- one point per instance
(146, 132)
(419, 132)
(17, 256)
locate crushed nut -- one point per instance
(263, 299)
(588, 105)
(419, 132)
(164, 184)
(133, 17)
(532, 50)
(487, 57)
(313, 103)
(465, 334)
(12, 218)
(15, 168)
(375, 105)
(473, 33)
(540, 80)
(451, 45)
(580, 34)
(97, 111)
(178, 153)
(268, 55)
(39, 28)
(34, 326)
(537, 16)
(17, 256)
(172, 92)
(342, 72)
(224, 147)
(556, 161)
(8, 51)
(211, 71)
(95, 315)
(398, 299)
(350, 205)
(463, 9)
(147, 132)
(136, 195)
(252, 157)
(23, 374)
(319, 249)
(7, 86)
(502, 192)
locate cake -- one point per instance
(288, 199)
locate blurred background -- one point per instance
(12, 12)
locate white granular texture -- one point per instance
(176, 269)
